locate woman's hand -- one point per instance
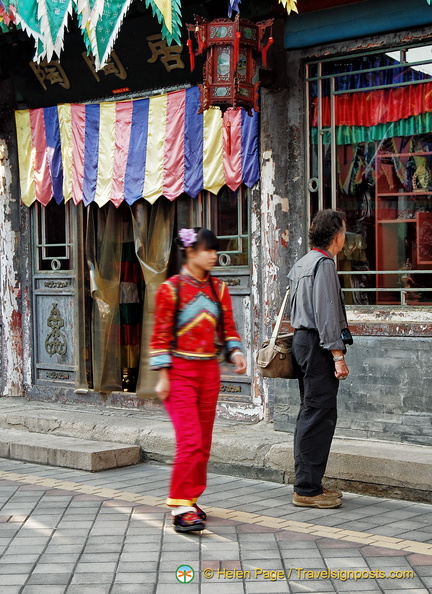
(163, 385)
(239, 362)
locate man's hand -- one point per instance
(342, 370)
(341, 367)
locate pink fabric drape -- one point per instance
(42, 174)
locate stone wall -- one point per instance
(386, 396)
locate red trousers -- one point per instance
(191, 405)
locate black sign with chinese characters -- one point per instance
(141, 61)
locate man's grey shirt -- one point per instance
(315, 300)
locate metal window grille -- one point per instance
(227, 215)
(388, 213)
(52, 237)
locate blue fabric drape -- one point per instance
(52, 132)
(91, 152)
(193, 144)
(136, 163)
(348, 82)
(250, 148)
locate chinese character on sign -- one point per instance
(51, 72)
(113, 66)
(170, 56)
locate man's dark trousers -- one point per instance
(316, 420)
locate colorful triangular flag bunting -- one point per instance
(53, 16)
(26, 15)
(290, 5)
(103, 34)
(233, 5)
(99, 20)
(168, 13)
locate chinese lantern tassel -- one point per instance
(228, 129)
(201, 41)
(265, 50)
(191, 55)
(236, 49)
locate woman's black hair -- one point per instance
(206, 240)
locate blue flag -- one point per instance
(233, 5)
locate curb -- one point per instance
(401, 471)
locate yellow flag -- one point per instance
(290, 5)
(165, 7)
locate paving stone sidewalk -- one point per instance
(74, 532)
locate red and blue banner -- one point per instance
(399, 103)
(124, 151)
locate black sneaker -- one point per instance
(200, 513)
(188, 522)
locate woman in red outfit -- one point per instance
(192, 310)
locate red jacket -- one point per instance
(191, 333)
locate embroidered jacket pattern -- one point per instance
(192, 332)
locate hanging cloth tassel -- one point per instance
(236, 54)
(228, 129)
(201, 39)
(265, 49)
(191, 54)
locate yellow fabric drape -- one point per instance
(214, 176)
(106, 153)
(65, 125)
(153, 232)
(25, 157)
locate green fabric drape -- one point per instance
(420, 124)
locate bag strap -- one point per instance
(318, 264)
(280, 316)
(176, 314)
(221, 316)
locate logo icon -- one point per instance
(185, 574)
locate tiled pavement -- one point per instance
(70, 531)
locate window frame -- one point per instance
(204, 217)
(42, 246)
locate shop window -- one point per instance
(370, 155)
(127, 251)
(227, 214)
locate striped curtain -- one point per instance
(124, 151)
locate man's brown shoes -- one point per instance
(332, 492)
(323, 501)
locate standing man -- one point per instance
(318, 316)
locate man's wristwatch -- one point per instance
(339, 358)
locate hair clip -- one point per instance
(188, 237)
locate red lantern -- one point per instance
(230, 65)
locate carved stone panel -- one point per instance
(54, 336)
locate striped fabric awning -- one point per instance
(124, 151)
